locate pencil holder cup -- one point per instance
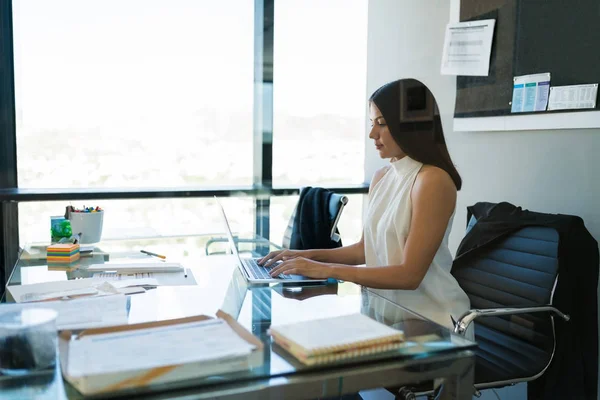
(89, 224)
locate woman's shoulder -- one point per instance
(436, 179)
(381, 172)
(378, 175)
(432, 173)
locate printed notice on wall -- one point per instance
(576, 96)
(467, 48)
(530, 93)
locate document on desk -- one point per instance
(135, 267)
(468, 47)
(180, 278)
(205, 341)
(73, 288)
(89, 312)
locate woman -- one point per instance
(411, 204)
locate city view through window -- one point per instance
(147, 93)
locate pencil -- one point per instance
(153, 254)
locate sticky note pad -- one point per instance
(62, 248)
(62, 253)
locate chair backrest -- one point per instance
(517, 271)
(337, 202)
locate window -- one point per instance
(148, 93)
(319, 94)
(136, 93)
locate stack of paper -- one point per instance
(145, 354)
(332, 339)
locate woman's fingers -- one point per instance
(274, 259)
(280, 269)
(278, 256)
(262, 260)
(270, 256)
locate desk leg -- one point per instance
(460, 386)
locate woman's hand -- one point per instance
(302, 266)
(282, 255)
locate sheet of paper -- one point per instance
(28, 297)
(89, 312)
(132, 267)
(74, 287)
(530, 93)
(124, 283)
(573, 97)
(467, 48)
(18, 291)
(155, 347)
(161, 278)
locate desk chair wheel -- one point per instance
(405, 393)
(408, 392)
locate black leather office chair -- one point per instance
(510, 287)
(336, 205)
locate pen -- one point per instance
(153, 254)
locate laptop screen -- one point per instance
(232, 245)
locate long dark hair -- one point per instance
(412, 115)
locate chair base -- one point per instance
(413, 391)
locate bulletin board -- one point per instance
(530, 37)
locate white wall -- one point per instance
(554, 171)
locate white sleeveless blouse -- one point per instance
(387, 224)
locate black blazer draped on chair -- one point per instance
(312, 222)
(573, 373)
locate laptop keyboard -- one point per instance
(261, 272)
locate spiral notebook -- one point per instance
(332, 339)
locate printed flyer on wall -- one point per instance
(530, 93)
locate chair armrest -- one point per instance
(339, 206)
(465, 320)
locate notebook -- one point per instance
(331, 339)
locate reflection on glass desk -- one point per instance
(430, 351)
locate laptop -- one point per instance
(249, 267)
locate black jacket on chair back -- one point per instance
(312, 222)
(573, 373)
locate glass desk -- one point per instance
(430, 351)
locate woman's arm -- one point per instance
(434, 199)
(353, 254)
